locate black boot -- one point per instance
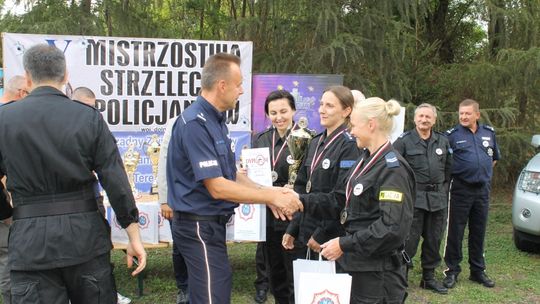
(429, 282)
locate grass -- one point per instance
(516, 274)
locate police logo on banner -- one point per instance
(325, 297)
(161, 219)
(144, 220)
(246, 211)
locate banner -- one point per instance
(306, 89)
(139, 82)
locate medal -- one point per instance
(438, 151)
(326, 163)
(490, 152)
(308, 186)
(485, 143)
(343, 216)
(274, 176)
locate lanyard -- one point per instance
(317, 158)
(275, 158)
(368, 165)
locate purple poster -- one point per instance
(306, 89)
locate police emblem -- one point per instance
(144, 220)
(358, 189)
(438, 151)
(246, 211)
(490, 151)
(485, 143)
(326, 163)
(325, 297)
(290, 160)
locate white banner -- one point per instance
(139, 82)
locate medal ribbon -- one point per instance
(275, 158)
(316, 158)
(368, 165)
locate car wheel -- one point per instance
(523, 244)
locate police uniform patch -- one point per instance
(485, 143)
(326, 163)
(438, 151)
(490, 151)
(391, 196)
(358, 189)
(344, 164)
(391, 160)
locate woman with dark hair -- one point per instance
(280, 109)
(330, 155)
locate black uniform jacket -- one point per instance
(263, 140)
(49, 147)
(379, 212)
(339, 157)
(431, 162)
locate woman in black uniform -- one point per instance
(280, 109)
(375, 206)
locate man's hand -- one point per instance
(285, 204)
(331, 250)
(288, 241)
(166, 211)
(135, 249)
(313, 245)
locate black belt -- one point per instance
(428, 187)
(221, 219)
(54, 208)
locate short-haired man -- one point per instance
(84, 95)
(475, 154)
(203, 185)
(59, 244)
(430, 156)
(14, 89)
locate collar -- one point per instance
(210, 109)
(46, 90)
(337, 130)
(417, 138)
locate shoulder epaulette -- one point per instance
(404, 134)
(450, 131)
(489, 128)
(391, 160)
(348, 136)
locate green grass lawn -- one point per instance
(516, 274)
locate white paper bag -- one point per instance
(249, 222)
(164, 230)
(325, 288)
(310, 266)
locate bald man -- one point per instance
(84, 95)
(15, 89)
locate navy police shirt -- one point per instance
(200, 148)
(474, 153)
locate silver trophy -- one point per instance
(298, 142)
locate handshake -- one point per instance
(284, 203)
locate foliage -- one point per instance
(416, 51)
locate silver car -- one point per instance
(526, 204)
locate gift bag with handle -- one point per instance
(316, 281)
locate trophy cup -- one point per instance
(131, 161)
(153, 154)
(298, 142)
